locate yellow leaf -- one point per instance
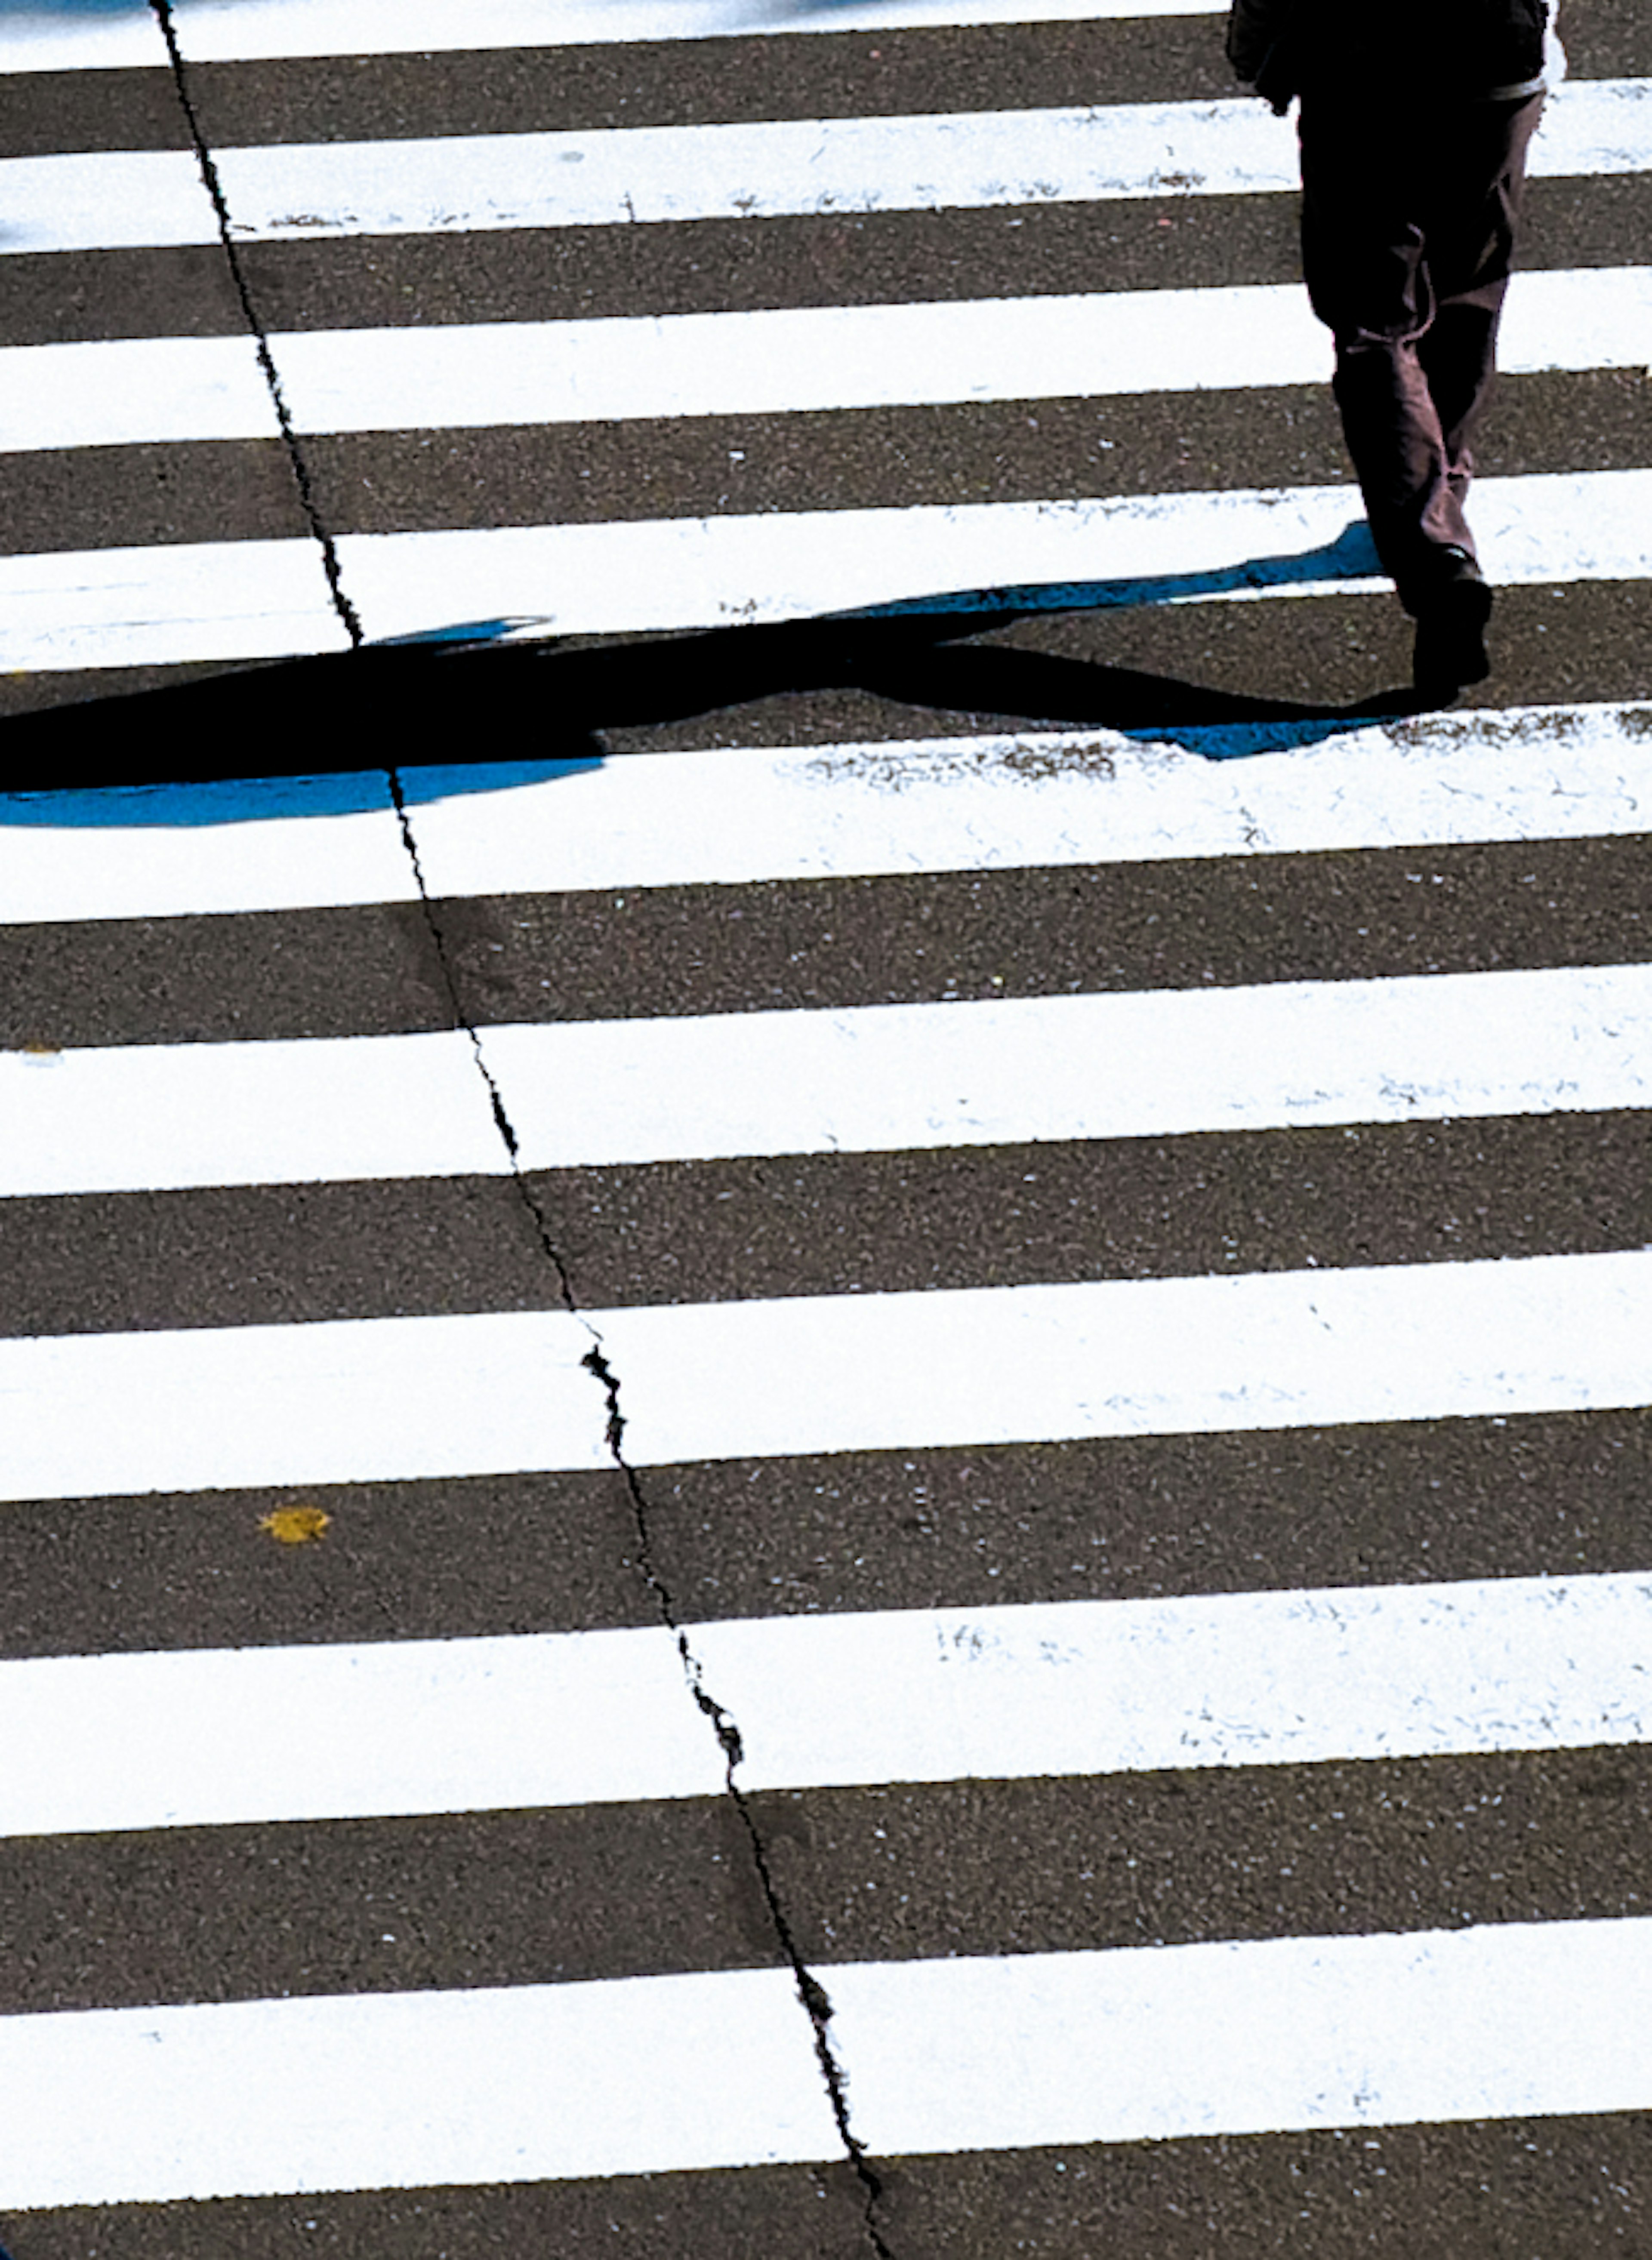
(295, 1525)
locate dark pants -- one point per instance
(1408, 217)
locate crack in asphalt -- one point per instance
(816, 2001)
(161, 9)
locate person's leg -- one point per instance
(1365, 198)
(1409, 216)
(1471, 224)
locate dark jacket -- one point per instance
(1472, 50)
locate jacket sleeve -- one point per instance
(1254, 27)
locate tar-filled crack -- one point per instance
(341, 605)
(816, 2001)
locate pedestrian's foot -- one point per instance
(1450, 646)
(1437, 566)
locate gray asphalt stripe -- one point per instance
(715, 466)
(140, 498)
(1547, 1495)
(289, 1253)
(44, 113)
(1432, 2190)
(805, 2213)
(1577, 223)
(848, 259)
(495, 1898)
(897, 1873)
(860, 74)
(1476, 2187)
(829, 1224)
(944, 936)
(1552, 645)
(1013, 1215)
(801, 944)
(30, 694)
(1540, 1496)
(1163, 1859)
(868, 74)
(1152, 668)
(118, 496)
(182, 290)
(1007, 450)
(1603, 37)
(733, 266)
(541, 1552)
(329, 972)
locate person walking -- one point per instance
(1414, 121)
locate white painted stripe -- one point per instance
(465, 183)
(1149, 2043)
(105, 200)
(1020, 801)
(183, 1739)
(167, 605)
(653, 2074)
(36, 36)
(1030, 799)
(954, 161)
(774, 362)
(865, 1079)
(340, 1400)
(254, 599)
(805, 359)
(536, 2082)
(133, 391)
(861, 1372)
(366, 1400)
(151, 852)
(704, 572)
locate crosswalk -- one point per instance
(757, 421)
(879, 1494)
(180, 1715)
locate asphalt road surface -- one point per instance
(822, 1436)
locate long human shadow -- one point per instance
(470, 692)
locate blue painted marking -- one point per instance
(502, 630)
(1235, 742)
(253, 800)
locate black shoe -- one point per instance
(1436, 568)
(1450, 646)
